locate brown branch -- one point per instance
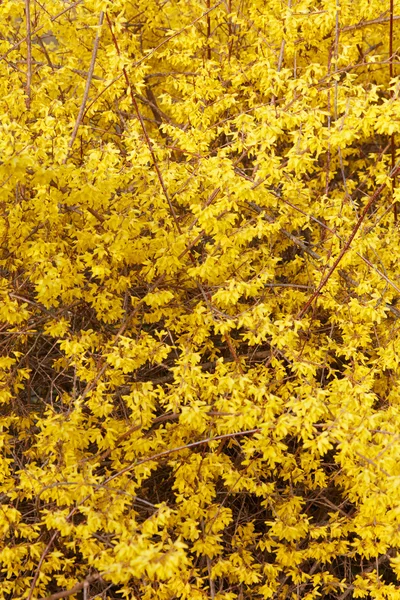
(391, 42)
(208, 32)
(130, 468)
(172, 74)
(378, 21)
(77, 587)
(117, 78)
(46, 54)
(158, 114)
(232, 350)
(209, 365)
(96, 214)
(211, 580)
(392, 138)
(88, 83)
(165, 453)
(47, 550)
(28, 53)
(316, 256)
(118, 441)
(346, 246)
(41, 561)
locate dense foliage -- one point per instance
(198, 277)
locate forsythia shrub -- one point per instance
(198, 278)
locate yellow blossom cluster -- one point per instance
(199, 239)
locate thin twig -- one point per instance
(328, 150)
(380, 560)
(378, 21)
(317, 257)
(346, 246)
(336, 96)
(88, 83)
(281, 56)
(77, 587)
(165, 453)
(124, 436)
(41, 561)
(28, 53)
(44, 50)
(392, 138)
(208, 31)
(211, 580)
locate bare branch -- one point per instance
(77, 587)
(165, 453)
(378, 21)
(88, 83)
(41, 561)
(28, 54)
(347, 245)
